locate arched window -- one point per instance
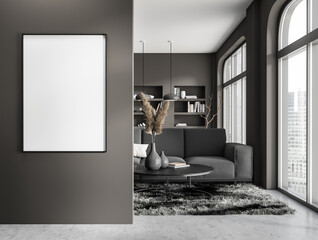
(297, 100)
(234, 91)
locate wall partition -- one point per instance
(297, 95)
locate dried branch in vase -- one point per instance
(208, 116)
(154, 118)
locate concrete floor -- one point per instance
(303, 225)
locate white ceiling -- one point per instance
(194, 26)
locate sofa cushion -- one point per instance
(223, 168)
(137, 135)
(137, 160)
(204, 142)
(171, 141)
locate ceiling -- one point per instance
(194, 26)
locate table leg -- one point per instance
(190, 184)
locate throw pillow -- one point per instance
(140, 150)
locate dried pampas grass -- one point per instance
(154, 119)
(161, 117)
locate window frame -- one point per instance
(241, 76)
(305, 42)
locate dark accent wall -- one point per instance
(254, 29)
(67, 187)
(188, 69)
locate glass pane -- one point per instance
(227, 70)
(227, 108)
(314, 15)
(293, 23)
(237, 63)
(244, 57)
(293, 121)
(237, 112)
(314, 120)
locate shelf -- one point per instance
(139, 113)
(192, 100)
(188, 113)
(190, 127)
(151, 100)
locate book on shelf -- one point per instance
(197, 107)
(181, 125)
(191, 97)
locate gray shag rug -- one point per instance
(226, 199)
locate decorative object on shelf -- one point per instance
(183, 94)
(142, 124)
(153, 160)
(138, 96)
(154, 120)
(164, 160)
(208, 117)
(177, 92)
(170, 96)
(148, 96)
(181, 125)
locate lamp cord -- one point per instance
(170, 66)
(143, 66)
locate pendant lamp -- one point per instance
(138, 97)
(170, 96)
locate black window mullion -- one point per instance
(235, 79)
(305, 40)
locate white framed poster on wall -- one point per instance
(64, 92)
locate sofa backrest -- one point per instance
(171, 141)
(137, 135)
(204, 142)
(186, 142)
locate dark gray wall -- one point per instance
(188, 69)
(66, 187)
(254, 29)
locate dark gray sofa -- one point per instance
(231, 161)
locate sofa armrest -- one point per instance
(242, 156)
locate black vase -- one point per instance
(153, 160)
(164, 160)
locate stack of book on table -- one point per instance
(178, 165)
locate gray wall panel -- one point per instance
(66, 187)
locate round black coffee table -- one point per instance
(193, 170)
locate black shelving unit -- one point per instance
(181, 114)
